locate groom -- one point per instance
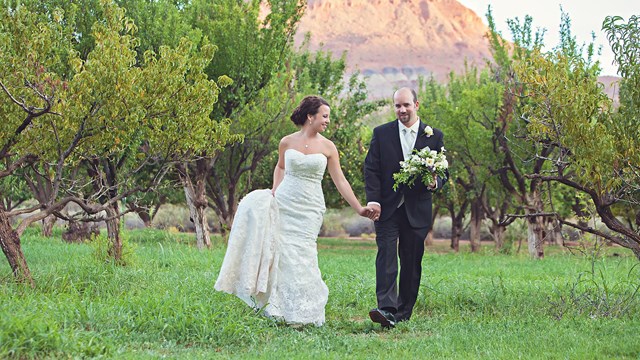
(403, 216)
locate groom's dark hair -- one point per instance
(308, 106)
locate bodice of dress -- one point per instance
(304, 166)
(300, 196)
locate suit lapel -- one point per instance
(421, 139)
(395, 140)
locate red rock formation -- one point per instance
(426, 36)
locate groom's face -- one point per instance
(405, 106)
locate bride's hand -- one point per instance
(368, 212)
(363, 211)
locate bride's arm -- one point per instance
(278, 171)
(342, 184)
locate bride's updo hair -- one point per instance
(308, 106)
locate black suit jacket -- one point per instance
(383, 160)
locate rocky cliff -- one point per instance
(394, 41)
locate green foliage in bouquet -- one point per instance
(423, 164)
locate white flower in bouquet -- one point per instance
(444, 164)
(424, 164)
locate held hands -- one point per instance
(370, 211)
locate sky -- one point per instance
(586, 18)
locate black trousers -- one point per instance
(396, 239)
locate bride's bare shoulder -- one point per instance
(330, 148)
(286, 140)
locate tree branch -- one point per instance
(616, 239)
(23, 161)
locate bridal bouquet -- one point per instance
(424, 164)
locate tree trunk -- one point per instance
(199, 218)
(629, 237)
(535, 236)
(47, 225)
(147, 212)
(476, 222)
(556, 230)
(196, 200)
(535, 226)
(225, 225)
(113, 234)
(456, 233)
(497, 232)
(145, 217)
(10, 242)
(226, 219)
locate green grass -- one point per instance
(162, 305)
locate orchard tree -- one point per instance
(350, 135)
(518, 157)
(435, 111)
(109, 115)
(470, 102)
(143, 116)
(159, 24)
(598, 145)
(41, 186)
(147, 205)
(34, 55)
(254, 39)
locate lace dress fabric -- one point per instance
(272, 257)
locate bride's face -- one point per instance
(320, 120)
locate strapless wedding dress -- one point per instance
(272, 259)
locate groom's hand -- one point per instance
(434, 184)
(375, 211)
(367, 212)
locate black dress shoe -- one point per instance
(382, 317)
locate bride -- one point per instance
(272, 260)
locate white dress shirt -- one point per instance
(407, 145)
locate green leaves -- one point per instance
(566, 106)
(106, 106)
(623, 41)
(470, 101)
(625, 124)
(568, 112)
(33, 54)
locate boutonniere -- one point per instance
(428, 131)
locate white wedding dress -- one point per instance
(272, 259)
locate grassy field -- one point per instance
(162, 305)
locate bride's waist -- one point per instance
(294, 176)
(296, 189)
